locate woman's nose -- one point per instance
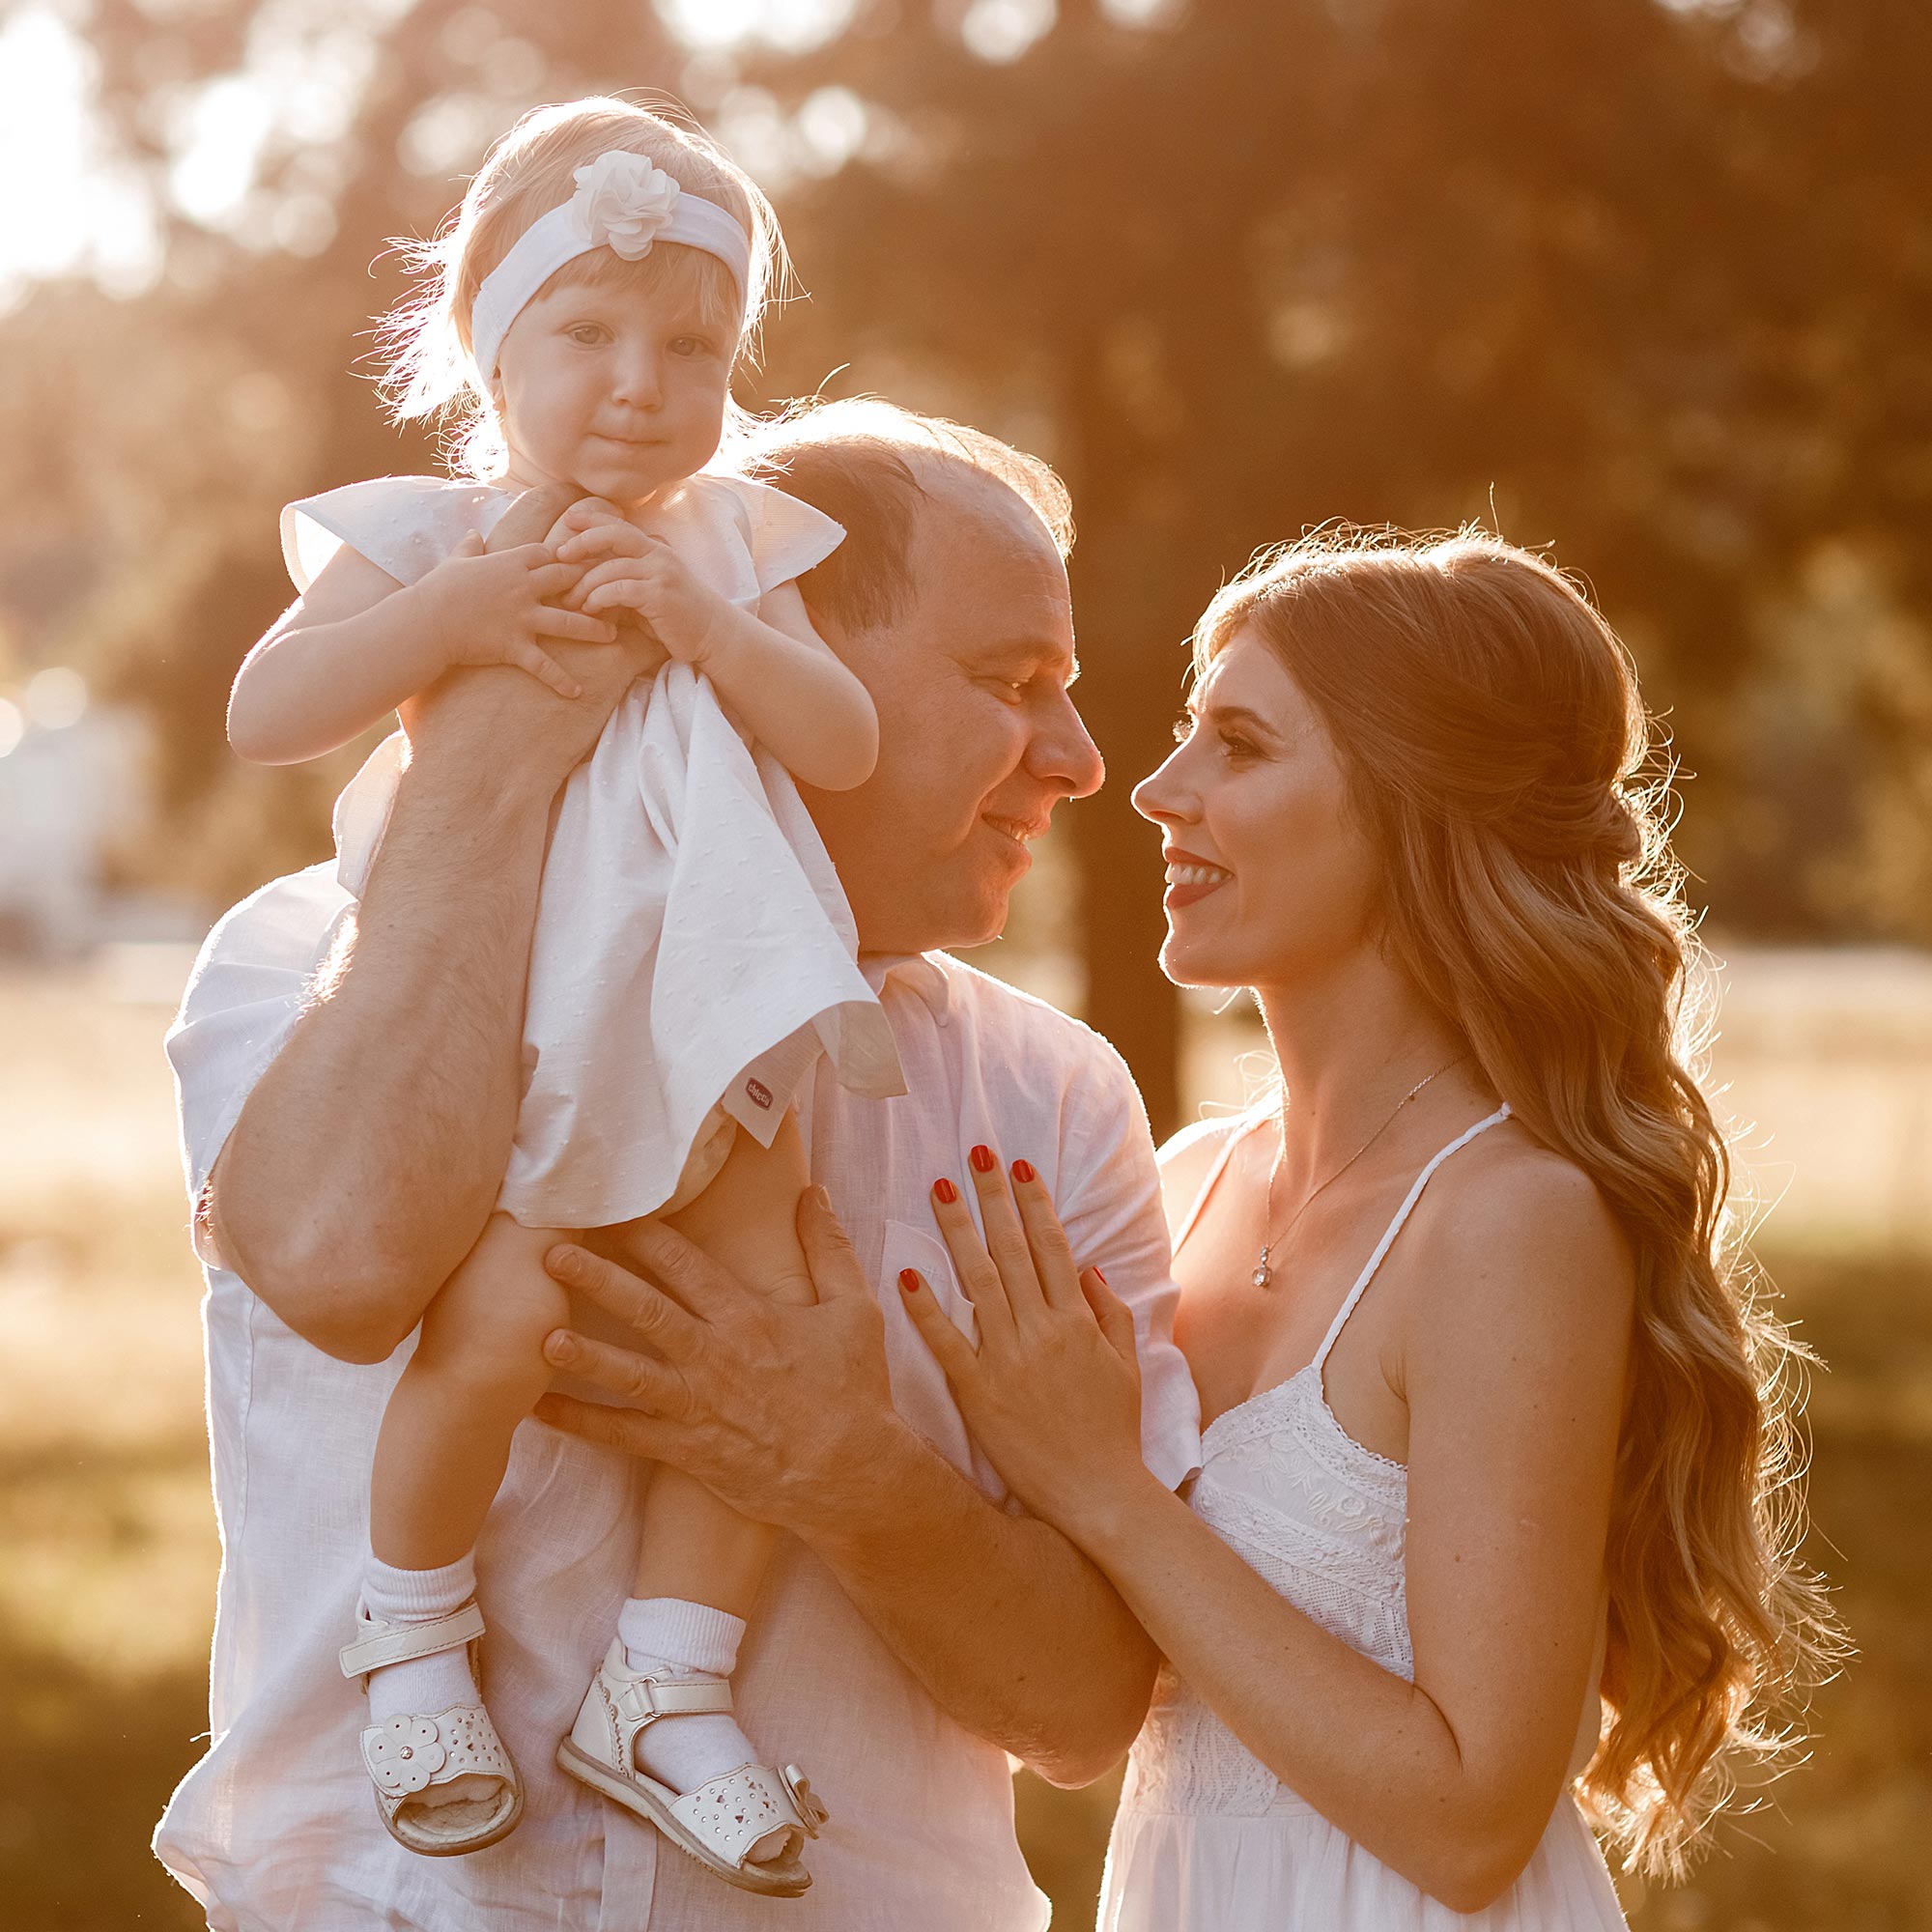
(1162, 797)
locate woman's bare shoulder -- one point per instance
(1520, 1227)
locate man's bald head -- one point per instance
(948, 600)
(878, 470)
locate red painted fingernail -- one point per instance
(944, 1193)
(1100, 1277)
(908, 1281)
(982, 1158)
(1023, 1171)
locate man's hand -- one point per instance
(784, 1413)
(780, 1410)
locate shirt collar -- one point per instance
(923, 972)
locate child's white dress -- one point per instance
(694, 954)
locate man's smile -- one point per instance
(1018, 833)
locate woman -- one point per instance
(1491, 1491)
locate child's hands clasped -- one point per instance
(489, 607)
(626, 570)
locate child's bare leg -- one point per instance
(746, 1220)
(700, 1565)
(478, 1371)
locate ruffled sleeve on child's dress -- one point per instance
(742, 538)
(403, 524)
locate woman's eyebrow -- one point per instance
(1233, 714)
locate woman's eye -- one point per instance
(1236, 746)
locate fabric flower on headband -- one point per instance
(622, 200)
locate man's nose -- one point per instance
(1063, 752)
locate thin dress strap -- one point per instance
(1401, 1214)
(1238, 1130)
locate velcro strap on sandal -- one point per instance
(643, 1699)
(400, 1644)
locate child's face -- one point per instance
(613, 391)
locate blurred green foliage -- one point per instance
(1648, 279)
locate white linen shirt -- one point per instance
(275, 1829)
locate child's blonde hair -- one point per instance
(425, 339)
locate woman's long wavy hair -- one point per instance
(1499, 758)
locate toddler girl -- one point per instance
(693, 953)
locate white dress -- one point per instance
(694, 952)
(1207, 1838)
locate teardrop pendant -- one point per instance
(1263, 1274)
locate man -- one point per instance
(344, 1145)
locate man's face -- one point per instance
(979, 739)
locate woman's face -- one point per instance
(1270, 881)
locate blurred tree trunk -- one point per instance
(1129, 624)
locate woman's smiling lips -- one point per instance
(1191, 878)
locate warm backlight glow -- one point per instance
(67, 209)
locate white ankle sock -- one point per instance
(424, 1686)
(667, 1636)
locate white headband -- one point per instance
(622, 203)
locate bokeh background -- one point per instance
(1648, 280)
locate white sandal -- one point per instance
(719, 1822)
(409, 1753)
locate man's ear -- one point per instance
(818, 610)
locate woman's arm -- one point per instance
(1513, 1389)
(779, 677)
(359, 643)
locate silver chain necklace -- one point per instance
(1263, 1273)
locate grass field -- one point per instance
(107, 1551)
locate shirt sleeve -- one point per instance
(403, 524)
(248, 988)
(1111, 1208)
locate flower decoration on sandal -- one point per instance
(405, 1755)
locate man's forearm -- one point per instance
(1014, 1633)
(366, 1160)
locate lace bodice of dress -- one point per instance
(1316, 1514)
(1321, 1518)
